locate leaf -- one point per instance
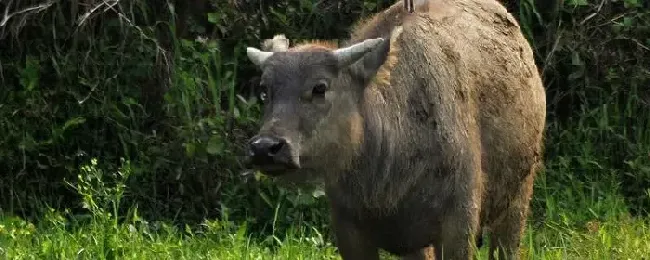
(631, 3)
(628, 21)
(318, 193)
(190, 149)
(303, 199)
(30, 75)
(213, 17)
(576, 60)
(215, 145)
(129, 101)
(73, 122)
(242, 99)
(236, 113)
(578, 2)
(266, 199)
(576, 74)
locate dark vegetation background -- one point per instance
(159, 95)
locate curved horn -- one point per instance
(351, 54)
(256, 56)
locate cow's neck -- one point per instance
(370, 177)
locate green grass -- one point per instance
(22, 240)
(582, 221)
(622, 238)
(53, 238)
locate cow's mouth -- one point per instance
(274, 168)
(272, 155)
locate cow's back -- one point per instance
(452, 126)
(463, 75)
(477, 60)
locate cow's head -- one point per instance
(311, 96)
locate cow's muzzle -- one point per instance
(272, 155)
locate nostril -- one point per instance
(275, 148)
(266, 146)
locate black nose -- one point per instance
(265, 146)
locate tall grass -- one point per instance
(562, 234)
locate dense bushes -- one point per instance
(169, 91)
(597, 78)
(116, 83)
(116, 87)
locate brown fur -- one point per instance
(443, 143)
(355, 121)
(315, 44)
(496, 81)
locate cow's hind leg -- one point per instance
(457, 236)
(506, 235)
(426, 253)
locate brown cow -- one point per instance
(426, 128)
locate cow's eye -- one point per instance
(263, 92)
(319, 90)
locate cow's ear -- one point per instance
(372, 60)
(351, 54)
(367, 67)
(364, 58)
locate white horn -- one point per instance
(256, 56)
(277, 44)
(351, 54)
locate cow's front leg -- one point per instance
(426, 253)
(351, 243)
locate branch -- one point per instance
(109, 5)
(33, 9)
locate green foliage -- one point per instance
(167, 97)
(111, 89)
(136, 82)
(596, 72)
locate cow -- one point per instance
(426, 128)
